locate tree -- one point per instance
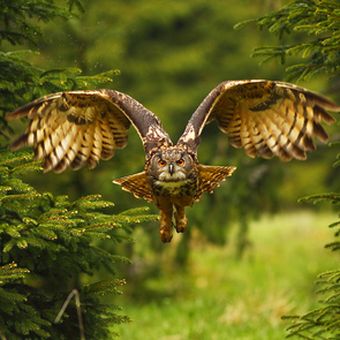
(314, 20)
(48, 243)
(320, 52)
(323, 321)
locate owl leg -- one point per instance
(180, 218)
(166, 225)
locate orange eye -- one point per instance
(162, 162)
(180, 162)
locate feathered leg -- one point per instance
(166, 212)
(180, 218)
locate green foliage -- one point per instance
(319, 25)
(17, 19)
(322, 322)
(49, 243)
(54, 241)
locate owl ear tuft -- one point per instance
(210, 178)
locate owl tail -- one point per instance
(137, 184)
(210, 178)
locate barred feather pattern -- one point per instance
(73, 129)
(266, 118)
(138, 184)
(269, 118)
(210, 178)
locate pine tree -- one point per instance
(316, 39)
(49, 243)
(308, 29)
(323, 322)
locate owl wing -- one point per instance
(77, 128)
(266, 118)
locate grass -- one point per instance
(219, 297)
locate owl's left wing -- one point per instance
(266, 118)
(78, 128)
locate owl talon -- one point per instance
(166, 235)
(181, 221)
(181, 225)
(180, 229)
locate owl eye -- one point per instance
(180, 162)
(162, 162)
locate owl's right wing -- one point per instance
(78, 128)
(265, 118)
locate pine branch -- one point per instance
(54, 232)
(18, 17)
(11, 272)
(313, 26)
(323, 322)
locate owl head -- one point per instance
(171, 164)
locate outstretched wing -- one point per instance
(266, 118)
(77, 128)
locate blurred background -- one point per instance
(170, 54)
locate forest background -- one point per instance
(169, 55)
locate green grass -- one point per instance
(219, 297)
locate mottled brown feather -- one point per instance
(138, 184)
(78, 128)
(210, 177)
(266, 118)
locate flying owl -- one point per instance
(265, 118)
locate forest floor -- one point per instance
(219, 297)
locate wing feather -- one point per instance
(97, 143)
(78, 128)
(265, 118)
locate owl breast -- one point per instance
(187, 187)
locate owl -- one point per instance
(265, 118)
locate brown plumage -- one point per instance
(265, 118)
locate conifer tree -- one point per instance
(318, 47)
(48, 243)
(323, 322)
(307, 29)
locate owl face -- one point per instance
(171, 165)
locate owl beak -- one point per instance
(171, 168)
